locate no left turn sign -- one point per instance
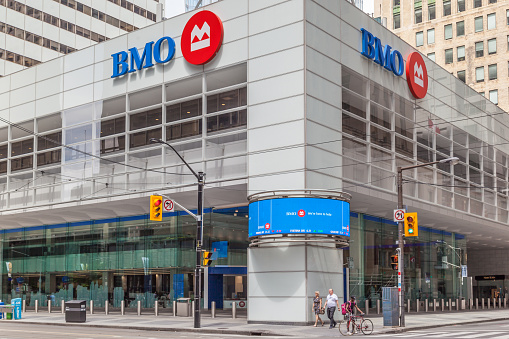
(399, 215)
(168, 205)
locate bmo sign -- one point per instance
(200, 41)
(392, 60)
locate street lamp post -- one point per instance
(200, 176)
(401, 270)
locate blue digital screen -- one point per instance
(299, 216)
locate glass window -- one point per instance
(49, 141)
(494, 96)
(461, 5)
(397, 22)
(143, 138)
(492, 21)
(431, 36)
(145, 119)
(479, 49)
(431, 56)
(227, 100)
(448, 32)
(461, 75)
(477, 3)
(419, 39)
(492, 46)
(479, 74)
(225, 121)
(22, 163)
(48, 158)
(184, 110)
(354, 127)
(460, 51)
(185, 130)
(460, 28)
(507, 15)
(22, 147)
(113, 144)
(418, 15)
(492, 1)
(431, 12)
(492, 72)
(447, 7)
(448, 56)
(113, 126)
(478, 23)
(396, 3)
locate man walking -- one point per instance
(332, 302)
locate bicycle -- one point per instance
(361, 325)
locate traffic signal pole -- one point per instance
(401, 271)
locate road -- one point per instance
(486, 330)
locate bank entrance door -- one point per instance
(227, 285)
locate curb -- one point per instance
(424, 327)
(163, 329)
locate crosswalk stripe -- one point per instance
(483, 334)
(453, 334)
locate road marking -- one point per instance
(61, 333)
(477, 335)
(452, 334)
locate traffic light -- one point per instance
(156, 208)
(411, 227)
(207, 258)
(394, 262)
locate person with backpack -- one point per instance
(332, 302)
(350, 309)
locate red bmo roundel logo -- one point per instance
(416, 75)
(202, 38)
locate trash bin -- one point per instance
(75, 311)
(184, 307)
(8, 316)
(16, 303)
(1, 314)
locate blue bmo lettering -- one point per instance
(122, 64)
(385, 56)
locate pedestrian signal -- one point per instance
(207, 258)
(394, 262)
(411, 227)
(156, 206)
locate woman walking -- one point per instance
(317, 306)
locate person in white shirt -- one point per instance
(332, 303)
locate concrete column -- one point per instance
(434, 305)
(499, 302)
(482, 303)
(489, 303)
(408, 305)
(457, 304)
(299, 271)
(505, 302)
(213, 309)
(174, 308)
(24, 305)
(234, 310)
(476, 303)
(62, 307)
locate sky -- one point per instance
(369, 6)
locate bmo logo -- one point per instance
(200, 42)
(202, 38)
(416, 75)
(392, 60)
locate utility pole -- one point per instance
(199, 235)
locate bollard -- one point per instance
(24, 309)
(476, 303)
(234, 310)
(366, 303)
(457, 305)
(107, 307)
(489, 303)
(122, 307)
(499, 302)
(450, 304)
(408, 305)
(213, 309)
(156, 308)
(482, 303)
(91, 307)
(36, 306)
(378, 306)
(417, 305)
(426, 306)
(434, 305)
(62, 307)
(505, 302)
(470, 304)
(192, 308)
(442, 301)
(174, 308)
(139, 307)
(49, 306)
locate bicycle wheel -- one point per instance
(367, 326)
(343, 327)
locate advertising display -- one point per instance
(299, 216)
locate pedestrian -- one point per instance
(317, 307)
(332, 302)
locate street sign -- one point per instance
(168, 205)
(464, 273)
(350, 263)
(399, 215)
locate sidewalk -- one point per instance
(226, 325)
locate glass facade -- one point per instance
(129, 258)
(427, 276)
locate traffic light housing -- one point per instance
(207, 258)
(394, 262)
(156, 208)
(411, 226)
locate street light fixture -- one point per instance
(401, 277)
(200, 176)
